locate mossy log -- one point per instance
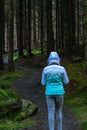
(24, 108)
(10, 106)
(28, 109)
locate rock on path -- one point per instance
(29, 88)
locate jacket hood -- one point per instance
(53, 58)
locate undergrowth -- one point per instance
(7, 93)
(6, 79)
(14, 125)
(77, 101)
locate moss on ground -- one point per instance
(77, 101)
(7, 94)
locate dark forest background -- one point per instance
(30, 27)
(47, 25)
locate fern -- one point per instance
(3, 93)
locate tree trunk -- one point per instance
(41, 34)
(62, 27)
(57, 21)
(73, 25)
(24, 24)
(29, 28)
(68, 28)
(19, 22)
(1, 32)
(85, 28)
(10, 35)
(34, 24)
(49, 27)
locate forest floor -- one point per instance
(29, 87)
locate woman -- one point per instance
(54, 76)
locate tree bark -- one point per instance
(29, 28)
(19, 22)
(1, 32)
(41, 34)
(49, 27)
(10, 35)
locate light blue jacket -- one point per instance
(54, 77)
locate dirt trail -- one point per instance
(29, 88)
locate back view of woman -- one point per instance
(54, 76)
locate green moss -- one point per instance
(84, 126)
(77, 102)
(6, 79)
(13, 121)
(3, 93)
(13, 125)
(77, 71)
(28, 109)
(35, 51)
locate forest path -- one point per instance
(29, 88)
